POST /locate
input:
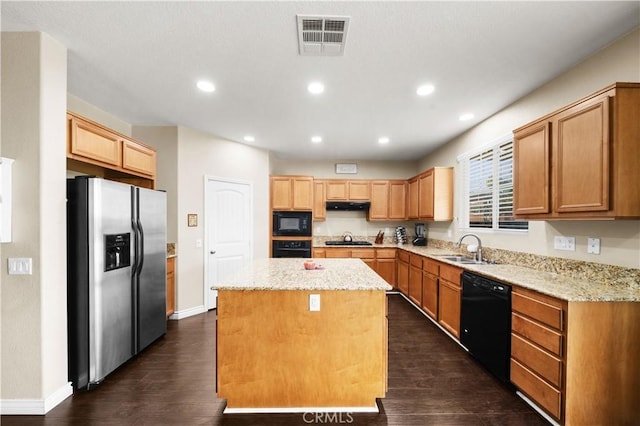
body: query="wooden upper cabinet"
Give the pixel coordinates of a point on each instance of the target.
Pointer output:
(532, 161)
(581, 157)
(138, 158)
(348, 190)
(388, 200)
(93, 142)
(397, 200)
(319, 200)
(379, 209)
(412, 199)
(292, 193)
(581, 161)
(96, 150)
(435, 194)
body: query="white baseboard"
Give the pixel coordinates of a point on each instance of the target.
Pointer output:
(35, 406)
(188, 312)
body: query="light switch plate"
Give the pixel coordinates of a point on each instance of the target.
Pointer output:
(20, 266)
(593, 245)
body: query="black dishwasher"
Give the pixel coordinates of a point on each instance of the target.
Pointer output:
(485, 322)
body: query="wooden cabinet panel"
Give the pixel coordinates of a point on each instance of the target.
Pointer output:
(379, 209)
(319, 201)
(540, 391)
(431, 266)
(359, 190)
(338, 253)
(302, 193)
(415, 284)
(430, 294)
(292, 193)
(581, 157)
(171, 286)
(337, 190)
(450, 273)
(319, 253)
(542, 363)
(537, 333)
(425, 198)
(94, 142)
(531, 174)
(548, 314)
(403, 277)
(367, 253)
(281, 193)
(403, 256)
(397, 200)
(386, 253)
(386, 268)
(416, 260)
(412, 199)
(449, 307)
(138, 158)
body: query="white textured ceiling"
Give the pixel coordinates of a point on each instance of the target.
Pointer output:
(140, 61)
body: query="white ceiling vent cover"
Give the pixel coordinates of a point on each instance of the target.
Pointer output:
(322, 35)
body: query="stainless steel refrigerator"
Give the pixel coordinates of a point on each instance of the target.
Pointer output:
(116, 275)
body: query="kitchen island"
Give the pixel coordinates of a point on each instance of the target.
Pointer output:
(277, 351)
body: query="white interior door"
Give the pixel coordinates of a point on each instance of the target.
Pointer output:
(229, 230)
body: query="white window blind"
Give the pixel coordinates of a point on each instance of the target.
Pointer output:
(488, 189)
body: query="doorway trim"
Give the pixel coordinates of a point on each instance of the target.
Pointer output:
(207, 179)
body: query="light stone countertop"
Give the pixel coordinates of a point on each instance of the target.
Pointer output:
(552, 284)
(290, 274)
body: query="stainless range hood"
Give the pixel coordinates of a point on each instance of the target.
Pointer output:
(348, 205)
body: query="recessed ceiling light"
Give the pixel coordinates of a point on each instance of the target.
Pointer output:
(206, 86)
(465, 117)
(249, 138)
(383, 140)
(425, 89)
(315, 88)
(316, 139)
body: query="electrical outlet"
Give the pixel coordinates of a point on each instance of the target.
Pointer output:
(564, 243)
(593, 245)
(314, 302)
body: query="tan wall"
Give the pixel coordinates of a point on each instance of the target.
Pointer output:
(201, 155)
(165, 141)
(620, 242)
(327, 169)
(34, 316)
(94, 113)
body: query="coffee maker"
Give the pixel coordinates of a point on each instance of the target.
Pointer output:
(421, 235)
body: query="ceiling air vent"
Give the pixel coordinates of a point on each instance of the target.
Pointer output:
(322, 35)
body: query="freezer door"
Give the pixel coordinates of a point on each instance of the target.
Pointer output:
(110, 291)
(152, 280)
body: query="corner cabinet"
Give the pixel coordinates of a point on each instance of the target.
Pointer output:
(581, 161)
(97, 150)
(292, 193)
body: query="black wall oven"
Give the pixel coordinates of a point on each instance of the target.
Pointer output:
(297, 248)
(292, 224)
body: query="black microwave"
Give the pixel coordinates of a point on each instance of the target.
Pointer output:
(292, 224)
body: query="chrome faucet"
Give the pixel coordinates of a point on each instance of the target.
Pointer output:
(478, 254)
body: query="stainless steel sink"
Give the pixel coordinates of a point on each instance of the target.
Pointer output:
(463, 260)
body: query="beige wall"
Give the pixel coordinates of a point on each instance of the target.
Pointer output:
(165, 141)
(91, 112)
(34, 316)
(620, 242)
(327, 169)
(201, 155)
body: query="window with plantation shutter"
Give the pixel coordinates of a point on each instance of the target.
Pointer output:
(488, 188)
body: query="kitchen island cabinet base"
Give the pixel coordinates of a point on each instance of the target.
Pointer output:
(275, 355)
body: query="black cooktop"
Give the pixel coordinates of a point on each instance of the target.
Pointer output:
(348, 243)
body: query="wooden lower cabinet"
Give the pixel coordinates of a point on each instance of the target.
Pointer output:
(171, 286)
(578, 361)
(415, 279)
(430, 294)
(383, 261)
(449, 297)
(386, 265)
(402, 278)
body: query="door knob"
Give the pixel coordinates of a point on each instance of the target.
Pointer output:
(213, 252)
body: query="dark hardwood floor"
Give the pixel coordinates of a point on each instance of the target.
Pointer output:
(432, 381)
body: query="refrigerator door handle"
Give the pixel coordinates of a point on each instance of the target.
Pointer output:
(141, 231)
(136, 251)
